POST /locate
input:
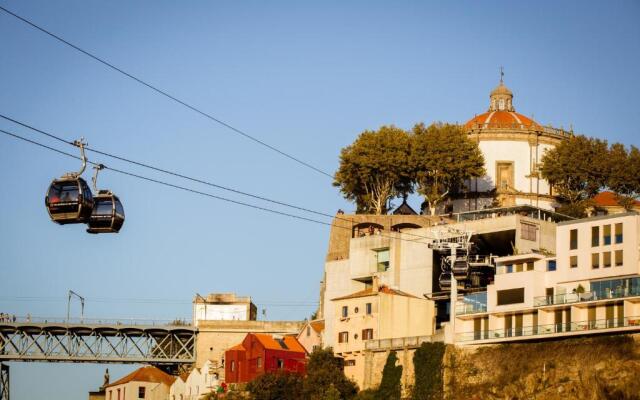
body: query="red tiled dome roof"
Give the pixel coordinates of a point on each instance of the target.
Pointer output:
(500, 119)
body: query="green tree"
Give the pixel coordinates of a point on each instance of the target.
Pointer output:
(323, 371)
(577, 168)
(390, 386)
(427, 364)
(442, 158)
(374, 169)
(278, 386)
(624, 173)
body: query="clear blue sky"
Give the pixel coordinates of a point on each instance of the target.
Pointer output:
(304, 77)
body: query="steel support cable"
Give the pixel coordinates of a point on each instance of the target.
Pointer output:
(166, 94)
(179, 175)
(211, 195)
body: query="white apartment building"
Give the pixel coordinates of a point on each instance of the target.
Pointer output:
(591, 285)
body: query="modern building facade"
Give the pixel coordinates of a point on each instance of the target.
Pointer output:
(590, 285)
(259, 354)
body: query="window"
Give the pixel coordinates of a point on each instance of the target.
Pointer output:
(355, 310)
(573, 239)
(606, 259)
(573, 261)
(233, 365)
(595, 260)
(308, 331)
(528, 231)
(509, 268)
(595, 236)
(551, 265)
(345, 311)
(141, 392)
(382, 259)
(349, 363)
(343, 337)
(367, 334)
(530, 266)
(618, 258)
(259, 362)
(280, 363)
(606, 235)
(619, 233)
(368, 308)
(510, 296)
(519, 267)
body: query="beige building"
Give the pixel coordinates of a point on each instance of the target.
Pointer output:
(377, 313)
(197, 383)
(590, 285)
(310, 336)
(147, 382)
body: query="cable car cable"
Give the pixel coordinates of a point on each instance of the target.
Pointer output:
(215, 196)
(158, 169)
(166, 94)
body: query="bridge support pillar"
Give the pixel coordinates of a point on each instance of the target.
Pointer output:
(4, 382)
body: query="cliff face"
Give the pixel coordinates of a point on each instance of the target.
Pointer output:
(604, 367)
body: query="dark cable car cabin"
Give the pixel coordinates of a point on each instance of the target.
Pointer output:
(445, 281)
(69, 200)
(107, 215)
(460, 269)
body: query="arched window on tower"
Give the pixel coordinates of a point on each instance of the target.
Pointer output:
(501, 104)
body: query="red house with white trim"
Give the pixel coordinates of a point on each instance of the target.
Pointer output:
(261, 353)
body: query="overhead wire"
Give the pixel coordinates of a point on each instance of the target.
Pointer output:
(197, 180)
(166, 94)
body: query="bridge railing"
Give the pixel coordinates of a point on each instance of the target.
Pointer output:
(95, 321)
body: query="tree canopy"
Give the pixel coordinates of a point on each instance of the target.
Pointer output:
(325, 376)
(374, 169)
(442, 159)
(624, 173)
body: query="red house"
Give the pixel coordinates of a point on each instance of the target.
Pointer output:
(261, 353)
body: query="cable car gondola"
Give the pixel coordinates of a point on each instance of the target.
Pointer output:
(460, 268)
(108, 213)
(69, 199)
(445, 281)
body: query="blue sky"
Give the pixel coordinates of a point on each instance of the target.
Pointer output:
(304, 77)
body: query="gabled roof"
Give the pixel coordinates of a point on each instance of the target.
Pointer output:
(609, 199)
(238, 347)
(286, 343)
(147, 373)
(371, 292)
(404, 209)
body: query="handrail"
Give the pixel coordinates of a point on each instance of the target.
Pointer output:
(570, 298)
(541, 330)
(14, 319)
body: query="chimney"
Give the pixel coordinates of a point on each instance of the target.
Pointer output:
(376, 284)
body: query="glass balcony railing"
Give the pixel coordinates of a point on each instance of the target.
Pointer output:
(601, 290)
(472, 303)
(541, 330)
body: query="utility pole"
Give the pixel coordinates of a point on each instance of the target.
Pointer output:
(72, 293)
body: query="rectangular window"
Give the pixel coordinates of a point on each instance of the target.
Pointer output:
(349, 363)
(573, 239)
(259, 362)
(510, 296)
(618, 233)
(595, 260)
(528, 231)
(519, 267)
(551, 265)
(509, 269)
(606, 235)
(382, 259)
(606, 259)
(595, 236)
(280, 363)
(343, 337)
(368, 308)
(573, 261)
(367, 334)
(345, 311)
(618, 258)
(233, 365)
(530, 266)
(141, 392)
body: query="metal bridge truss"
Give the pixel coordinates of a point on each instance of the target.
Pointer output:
(4, 382)
(169, 345)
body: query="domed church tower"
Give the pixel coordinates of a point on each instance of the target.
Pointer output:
(513, 146)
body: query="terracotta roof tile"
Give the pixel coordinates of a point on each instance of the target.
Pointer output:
(608, 199)
(371, 292)
(147, 373)
(270, 343)
(500, 119)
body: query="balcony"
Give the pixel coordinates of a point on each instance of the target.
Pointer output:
(601, 290)
(574, 328)
(399, 343)
(472, 304)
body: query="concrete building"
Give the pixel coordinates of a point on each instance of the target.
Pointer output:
(377, 313)
(223, 307)
(590, 285)
(259, 354)
(513, 146)
(147, 382)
